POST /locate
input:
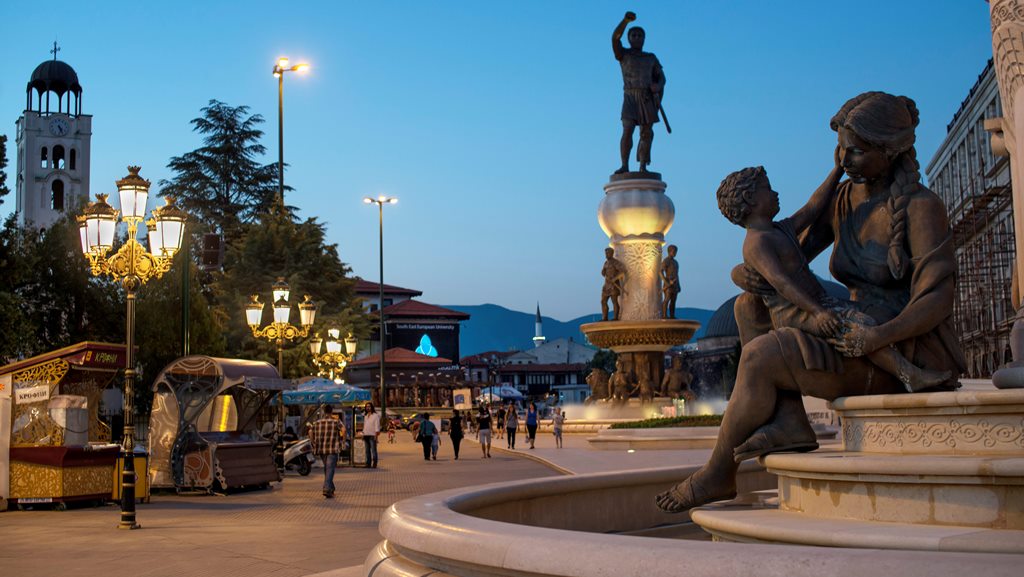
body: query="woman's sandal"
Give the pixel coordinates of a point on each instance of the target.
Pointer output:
(685, 496)
(771, 439)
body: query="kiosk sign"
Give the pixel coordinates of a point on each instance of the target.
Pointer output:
(32, 394)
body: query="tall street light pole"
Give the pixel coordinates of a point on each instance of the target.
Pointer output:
(279, 69)
(380, 201)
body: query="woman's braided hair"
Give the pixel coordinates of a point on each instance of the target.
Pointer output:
(888, 122)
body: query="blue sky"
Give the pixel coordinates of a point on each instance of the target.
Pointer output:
(497, 123)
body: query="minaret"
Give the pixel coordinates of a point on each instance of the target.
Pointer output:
(538, 338)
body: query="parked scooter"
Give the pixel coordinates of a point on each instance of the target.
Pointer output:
(300, 456)
(293, 454)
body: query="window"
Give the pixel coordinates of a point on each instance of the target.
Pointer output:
(57, 195)
(42, 159)
(58, 157)
(73, 154)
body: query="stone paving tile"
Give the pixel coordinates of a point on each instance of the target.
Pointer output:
(289, 531)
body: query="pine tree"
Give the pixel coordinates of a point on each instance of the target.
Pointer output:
(221, 183)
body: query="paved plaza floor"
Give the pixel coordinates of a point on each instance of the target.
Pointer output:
(290, 530)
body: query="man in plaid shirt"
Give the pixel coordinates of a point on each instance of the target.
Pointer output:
(325, 436)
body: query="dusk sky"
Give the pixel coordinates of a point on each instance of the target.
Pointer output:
(497, 123)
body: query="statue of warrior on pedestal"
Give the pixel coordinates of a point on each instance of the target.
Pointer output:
(643, 84)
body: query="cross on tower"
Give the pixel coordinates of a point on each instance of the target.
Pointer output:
(55, 50)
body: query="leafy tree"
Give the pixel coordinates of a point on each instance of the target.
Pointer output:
(222, 183)
(49, 299)
(158, 326)
(604, 359)
(4, 191)
(278, 246)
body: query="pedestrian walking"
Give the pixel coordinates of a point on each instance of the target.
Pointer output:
(371, 430)
(501, 419)
(483, 422)
(325, 436)
(425, 435)
(455, 432)
(531, 423)
(511, 425)
(556, 425)
(391, 432)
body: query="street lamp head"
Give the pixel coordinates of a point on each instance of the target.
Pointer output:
(307, 311)
(368, 200)
(156, 240)
(280, 290)
(392, 200)
(282, 62)
(134, 192)
(100, 221)
(169, 221)
(314, 344)
(333, 344)
(254, 311)
(301, 67)
(282, 311)
(350, 345)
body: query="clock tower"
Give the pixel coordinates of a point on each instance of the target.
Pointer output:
(53, 139)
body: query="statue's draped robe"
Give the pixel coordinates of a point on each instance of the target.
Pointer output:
(864, 270)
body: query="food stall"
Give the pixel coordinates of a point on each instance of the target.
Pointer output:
(54, 448)
(203, 433)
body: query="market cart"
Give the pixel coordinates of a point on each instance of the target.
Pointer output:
(203, 433)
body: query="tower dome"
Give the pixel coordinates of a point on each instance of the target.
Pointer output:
(59, 78)
(55, 76)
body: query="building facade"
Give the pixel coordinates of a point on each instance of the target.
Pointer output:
(53, 140)
(975, 185)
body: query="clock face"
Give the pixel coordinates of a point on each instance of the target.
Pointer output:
(59, 126)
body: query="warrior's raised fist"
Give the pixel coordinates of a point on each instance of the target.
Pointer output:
(629, 17)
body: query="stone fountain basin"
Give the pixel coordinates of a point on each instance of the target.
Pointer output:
(593, 526)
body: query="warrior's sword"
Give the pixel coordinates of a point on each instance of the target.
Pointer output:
(664, 117)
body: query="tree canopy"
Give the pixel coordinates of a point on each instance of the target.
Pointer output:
(222, 183)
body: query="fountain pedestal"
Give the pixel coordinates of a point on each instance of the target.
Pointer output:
(636, 214)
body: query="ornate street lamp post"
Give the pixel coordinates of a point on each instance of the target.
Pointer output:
(280, 67)
(132, 265)
(380, 201)
(333, 361)
(280, 330)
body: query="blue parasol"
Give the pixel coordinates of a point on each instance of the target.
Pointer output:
(325, 392)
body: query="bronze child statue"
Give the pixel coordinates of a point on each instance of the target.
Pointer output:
(643, 83)
(676, 382)
(771, 249)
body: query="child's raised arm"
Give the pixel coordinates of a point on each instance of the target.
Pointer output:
(820, 200)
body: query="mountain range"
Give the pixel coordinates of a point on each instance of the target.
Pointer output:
(495, 328)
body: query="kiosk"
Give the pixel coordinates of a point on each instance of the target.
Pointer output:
(53, 446)
(202, 430)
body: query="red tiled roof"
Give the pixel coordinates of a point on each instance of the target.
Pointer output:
(542, 368)
(414, 308)
(365, 287)
(399, 356)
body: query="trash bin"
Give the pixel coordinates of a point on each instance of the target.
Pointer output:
(141, 477)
